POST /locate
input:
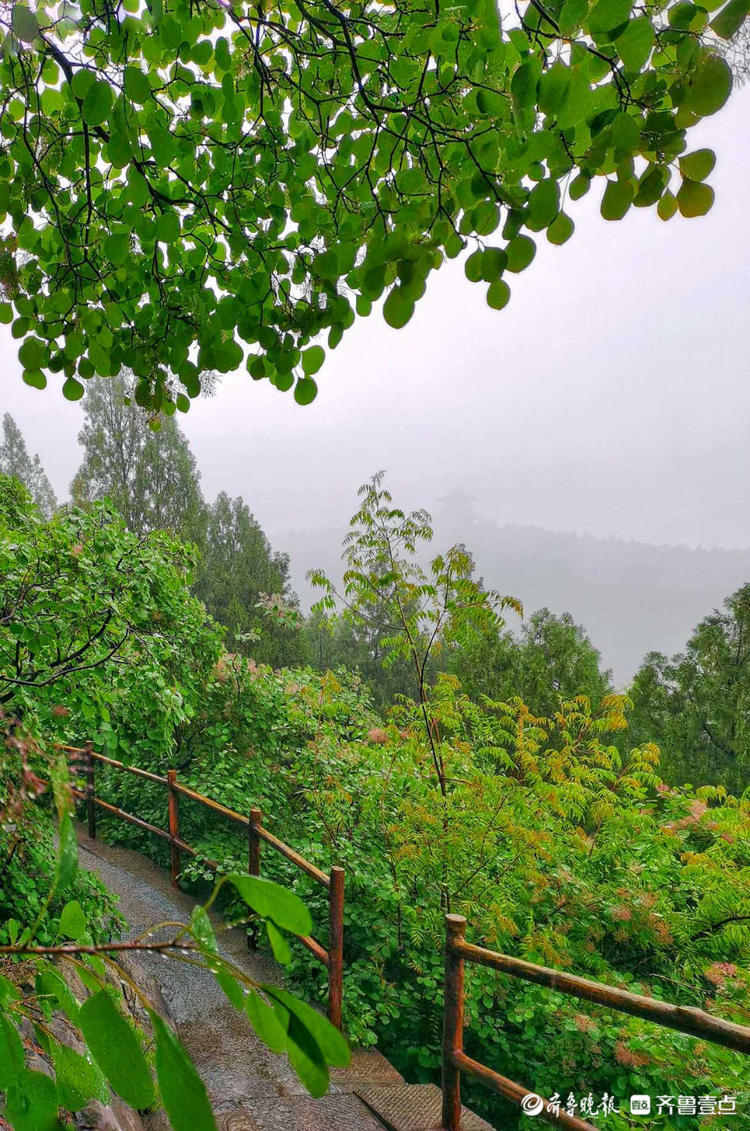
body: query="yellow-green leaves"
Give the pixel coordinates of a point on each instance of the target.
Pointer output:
(697, 165)
(694, 198)
(116, 1049)
(398, 308)
(11, 1052)
(708, 86)
(618, 196)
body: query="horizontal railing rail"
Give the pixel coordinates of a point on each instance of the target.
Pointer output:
(686, 1019)
(334, 881)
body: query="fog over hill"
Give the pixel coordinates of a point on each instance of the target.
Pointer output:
(632, 597)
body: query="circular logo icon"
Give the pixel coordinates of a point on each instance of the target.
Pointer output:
(532, 1104)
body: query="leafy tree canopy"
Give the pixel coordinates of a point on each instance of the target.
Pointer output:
(697, 705)
(182, 180)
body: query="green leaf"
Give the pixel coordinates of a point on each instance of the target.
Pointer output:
(168, 227)
(328, 1038)
(572, 15)
(279, 945)
(635, 43)
(306, 1058)
(24, 23)
(609, 14)
(35, 378)
(498, 294)
(137, 85)
(72, 920)
(11, 1053)
(697, 165)
(117, 247)
(6, 313)
(182, 1091)
(78, 1080)
(667, 206)
(473, 266)
(72, 390)
(97, 103)
(312, 359)
(202, 930)
(305, 391)
(494, 262)
(231, 987)
(731, 18)
(49, 983)
(273, 902)
(553, 88)
(561, 229)
(709, 87)
(520, 252)
(116, 1049)
(694, 198)
(618, 196)
(266, 1022)
(34, 353)
(31, 1103)
(398, 308)
(67, 854)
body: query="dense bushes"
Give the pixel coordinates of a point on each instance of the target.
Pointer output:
(554, 847)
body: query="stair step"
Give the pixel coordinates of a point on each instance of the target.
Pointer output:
(414, 1107)
(368, 1068)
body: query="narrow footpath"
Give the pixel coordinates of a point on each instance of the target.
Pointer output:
(250, 1088)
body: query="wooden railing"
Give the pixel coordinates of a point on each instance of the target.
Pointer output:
(332, 958)
(458, 952)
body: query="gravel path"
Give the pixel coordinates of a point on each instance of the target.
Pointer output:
(251, 1089)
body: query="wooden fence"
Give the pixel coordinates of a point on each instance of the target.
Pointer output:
(458, 952)
(332, 958)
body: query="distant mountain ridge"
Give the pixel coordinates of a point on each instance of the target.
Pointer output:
(631, 597)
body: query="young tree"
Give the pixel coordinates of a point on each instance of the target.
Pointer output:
(16, 462)
(245, 585)
(405, 612)
(184, 181)
(150, 476)
(697, 705)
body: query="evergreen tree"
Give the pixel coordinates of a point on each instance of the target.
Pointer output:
(245, 585)
(150, 476)
(15, 461)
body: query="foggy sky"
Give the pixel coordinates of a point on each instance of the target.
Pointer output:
(611, 396)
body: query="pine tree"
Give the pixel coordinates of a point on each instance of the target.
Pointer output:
(16, 462)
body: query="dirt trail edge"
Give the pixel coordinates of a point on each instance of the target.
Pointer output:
(251, 1089)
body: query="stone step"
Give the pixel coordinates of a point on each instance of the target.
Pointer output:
(368, 1068)
(414, 1107)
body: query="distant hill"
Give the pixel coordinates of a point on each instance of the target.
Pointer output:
(632, 597)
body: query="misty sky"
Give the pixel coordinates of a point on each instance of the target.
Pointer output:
(610, 397)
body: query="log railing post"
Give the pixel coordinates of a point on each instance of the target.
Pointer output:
(453, 1021)
(175, 856)
(90, 791)
(253, 864)
(336, 946)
